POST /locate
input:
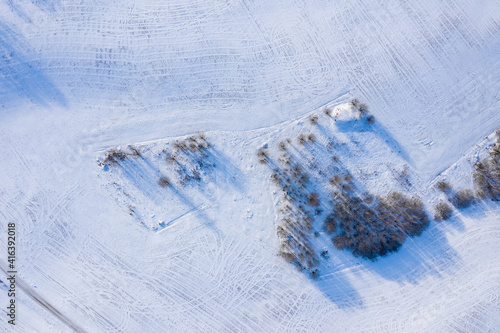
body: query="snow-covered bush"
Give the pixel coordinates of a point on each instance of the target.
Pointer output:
(313, 119)
(442, 212)
(113, 156)
(262, 155)
(463, 198)
(487, 174)
(444, 186)
(164, 182)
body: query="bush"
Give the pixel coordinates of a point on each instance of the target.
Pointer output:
(262, 155)
(487, 179)
(180, 145)
(170, 159)
(443, 211)
(463, 198)
(313, 200)
(444, 186)
(335, 180)
(370, 119)
(330, 223)
(313, 119)
(164, 182)
(301, 139)
(495, 152)
(135, 152)
(113, 156)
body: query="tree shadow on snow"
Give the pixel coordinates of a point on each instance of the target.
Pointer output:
(336, 287)
(225, 168)
(360, 126)
(22, 75)
(419, 258)
(145, 175)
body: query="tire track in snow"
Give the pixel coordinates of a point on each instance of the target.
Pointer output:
(43, 302)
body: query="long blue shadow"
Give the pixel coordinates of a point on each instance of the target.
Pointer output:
(21, 74)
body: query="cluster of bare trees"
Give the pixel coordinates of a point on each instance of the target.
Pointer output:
(299, 207)
(113, 156)
(372, 226)
(486, 180)
(487, 173)
(191, 158)
(368, 226)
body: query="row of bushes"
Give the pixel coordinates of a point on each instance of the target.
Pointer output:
(298, 207)
(115, 155)
(487, 173)
(191, 159)
(486, 179)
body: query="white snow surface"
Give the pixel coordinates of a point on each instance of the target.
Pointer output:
(78, 78)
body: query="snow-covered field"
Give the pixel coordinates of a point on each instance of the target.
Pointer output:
(106, 249)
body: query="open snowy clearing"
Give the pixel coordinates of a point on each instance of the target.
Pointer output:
(110, 250)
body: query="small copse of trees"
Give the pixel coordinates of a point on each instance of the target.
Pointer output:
(487, 173)
(374, 227)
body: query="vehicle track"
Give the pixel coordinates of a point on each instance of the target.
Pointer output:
(43, 302)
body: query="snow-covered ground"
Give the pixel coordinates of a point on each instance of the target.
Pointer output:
(77, 79)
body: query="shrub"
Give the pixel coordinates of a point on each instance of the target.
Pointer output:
(262, 155)
(164, 182)
(335, 180)
(113, 156)
(495, 152)
(370, 119)
(330, 223)
(288, 256)
(444, 186)
(313, 200)
(313, 119)
(301, 139)
(443, 211)
(328, 112)
(487, 179)
(135, 152)
(180, 145)
(463, 198)
(311, 138)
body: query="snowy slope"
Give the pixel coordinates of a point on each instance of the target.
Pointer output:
(78, 79)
